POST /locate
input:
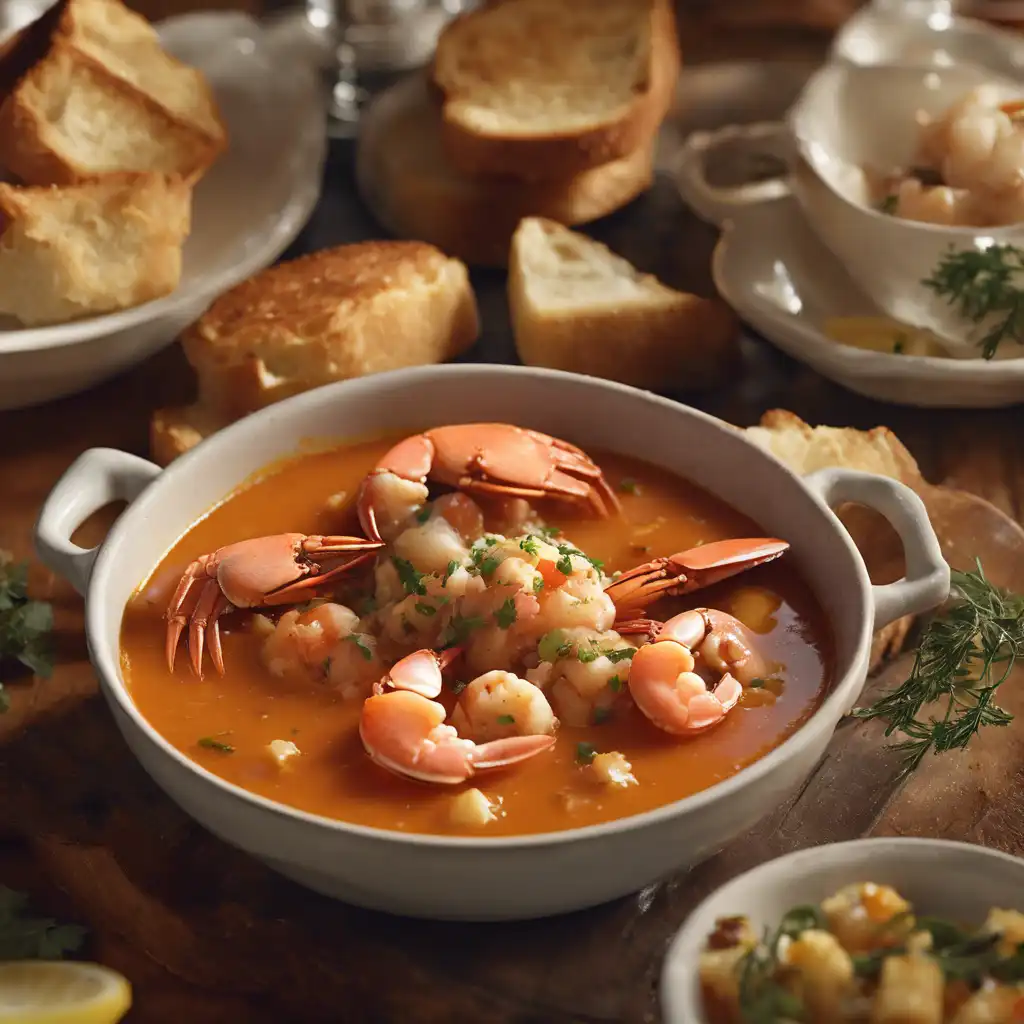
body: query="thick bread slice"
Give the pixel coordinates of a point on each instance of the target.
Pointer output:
(805, 449)
(577, 306)
(335, 314)
(405, 177)
(548, 88)
(103, 97)
(91, 248)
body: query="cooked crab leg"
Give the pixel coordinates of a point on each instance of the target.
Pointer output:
(688, 570)
(492, 458)
(254, 573)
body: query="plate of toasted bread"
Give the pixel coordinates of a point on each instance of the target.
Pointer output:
(144, 170)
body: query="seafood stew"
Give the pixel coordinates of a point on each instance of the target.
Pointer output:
(864, 956)
(472, 646)
(969, 167)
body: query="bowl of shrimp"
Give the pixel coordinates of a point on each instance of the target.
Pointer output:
(480, 642)
(913, 177)
(880, 930)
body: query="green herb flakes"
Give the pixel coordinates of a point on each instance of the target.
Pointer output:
(410, 579)
(209, 743)
(585, 753)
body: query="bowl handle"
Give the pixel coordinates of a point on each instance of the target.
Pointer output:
(926, 583)
(717, 205)
(96, 478)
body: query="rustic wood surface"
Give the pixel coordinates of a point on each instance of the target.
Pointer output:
(208, 935)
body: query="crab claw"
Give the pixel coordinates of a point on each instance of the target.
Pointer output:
(419, 672)
(689, 570)
(255, 573)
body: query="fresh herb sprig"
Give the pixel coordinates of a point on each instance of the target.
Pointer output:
(979, 285)
(966, 653)
(25, 626)
(24, 937)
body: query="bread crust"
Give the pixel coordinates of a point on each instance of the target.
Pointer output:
(50, 55)
(404, 176)
(561, 156)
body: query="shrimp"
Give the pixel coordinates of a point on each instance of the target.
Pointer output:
(937, 204)
(665, 684)
(395, 501)
(499, 704)
(323, 645)
(431, 547)
(405, 733)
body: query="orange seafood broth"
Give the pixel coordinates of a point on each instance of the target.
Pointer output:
(247, 708)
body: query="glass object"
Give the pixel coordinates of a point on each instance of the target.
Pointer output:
(366, 42)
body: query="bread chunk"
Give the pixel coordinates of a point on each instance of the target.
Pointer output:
(578, 306)
(335, 314)
(548, 88)
(87, 91)
(92, 248)
(406, 178)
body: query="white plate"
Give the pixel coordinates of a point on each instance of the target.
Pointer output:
(956, 881)
(772, 269)
(246, 212)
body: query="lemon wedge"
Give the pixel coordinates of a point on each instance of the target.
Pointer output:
(53, 992)
(879, 334)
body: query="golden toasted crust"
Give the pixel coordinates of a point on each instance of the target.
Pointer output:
(87, 90)
(335, 314)
(549, 150)
(405, 177)
(91, 248)
(805, 449)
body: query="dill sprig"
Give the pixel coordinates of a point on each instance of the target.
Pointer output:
(983, 284)
(966, 653)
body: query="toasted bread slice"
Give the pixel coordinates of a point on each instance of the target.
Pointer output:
(98, 96)
(91, 248)
(407, 180)
(335, 314)
(577, 306)
(548, 88)
(805, 449)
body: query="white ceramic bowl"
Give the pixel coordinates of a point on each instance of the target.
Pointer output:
(849, 117)
(481, 878)
(942, 879)
(246, 211)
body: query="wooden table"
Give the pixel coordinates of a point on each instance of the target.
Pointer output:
(206, 934)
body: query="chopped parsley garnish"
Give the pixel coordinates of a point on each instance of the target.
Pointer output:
(424, 514)
(756, 684)
(551, 531)
(585, 753)
(553, 646)
(364, 650)
(602, 715)
(410, 579)
(564, 565)
(453, 566)
(529, 545)
(567, 549)
(506, 614)
(622, 654)
(899, 344)
(587, 654)
(25, 626)
(459, 628)
(325, 667)
(209, 743)
(24, 937)
(538, 584)
(459, 685)
(425, 609)
(488, 565)
(888, 204)
(629, 486)
(615, 684)
(506, 720)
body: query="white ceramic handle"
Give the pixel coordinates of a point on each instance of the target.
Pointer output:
(926, 582)
(96, 478)
(718, 205)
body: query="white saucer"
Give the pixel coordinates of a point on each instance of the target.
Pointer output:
(771, 268)
(246, 212)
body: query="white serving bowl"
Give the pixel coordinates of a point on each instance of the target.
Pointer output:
(246, 211)
(849, 117)
(481, 878)
(957, 881)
